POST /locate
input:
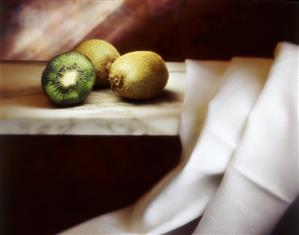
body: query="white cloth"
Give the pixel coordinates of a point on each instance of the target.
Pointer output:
(263, 177)
(230, 122)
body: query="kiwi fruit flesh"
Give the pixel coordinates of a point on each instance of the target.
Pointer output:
(68, 78)
(102, 54)
(138, 75)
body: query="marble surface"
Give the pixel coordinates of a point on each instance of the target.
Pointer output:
(26, 110)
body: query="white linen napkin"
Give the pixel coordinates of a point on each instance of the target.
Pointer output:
(218, 99)
(263, 177)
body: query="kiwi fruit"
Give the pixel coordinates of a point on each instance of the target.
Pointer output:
(102, 54)
(68, 78)
(138, 75)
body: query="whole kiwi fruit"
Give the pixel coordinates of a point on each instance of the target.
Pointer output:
(68, 78)
(138, 75)
(102, 54)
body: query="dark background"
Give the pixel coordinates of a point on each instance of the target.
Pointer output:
(176, 29)
(50, 183)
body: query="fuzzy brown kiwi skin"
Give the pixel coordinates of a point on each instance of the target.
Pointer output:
(138, 75)
(102, 54)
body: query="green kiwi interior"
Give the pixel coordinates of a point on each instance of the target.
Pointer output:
(68, 78)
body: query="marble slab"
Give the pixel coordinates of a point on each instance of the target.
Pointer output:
(26, 110)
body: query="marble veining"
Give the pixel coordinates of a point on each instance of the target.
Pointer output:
(26, 110)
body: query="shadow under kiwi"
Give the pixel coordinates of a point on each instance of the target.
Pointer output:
(52, 104)
(101, 87)
(166, 96)
(66, 106)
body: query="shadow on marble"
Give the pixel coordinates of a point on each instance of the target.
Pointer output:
(24, 92)
(30, 101)
(166, 96)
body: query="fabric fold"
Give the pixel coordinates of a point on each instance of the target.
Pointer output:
(262, 179)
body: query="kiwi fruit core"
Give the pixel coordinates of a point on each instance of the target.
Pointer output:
(68, 78)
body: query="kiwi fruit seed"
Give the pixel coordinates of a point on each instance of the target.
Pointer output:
(68, 78)
(138, 75)
(102, 54)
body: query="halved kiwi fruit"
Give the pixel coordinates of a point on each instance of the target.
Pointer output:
(138, 75)
(68, 78)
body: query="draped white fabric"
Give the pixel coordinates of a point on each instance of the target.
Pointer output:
(239, 120)
(263, 177)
